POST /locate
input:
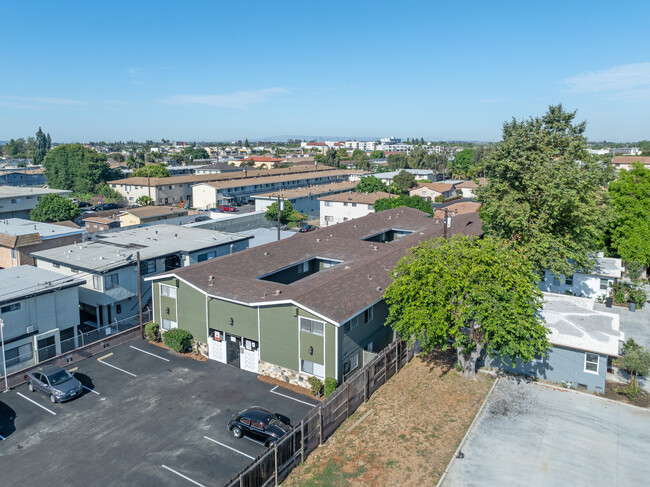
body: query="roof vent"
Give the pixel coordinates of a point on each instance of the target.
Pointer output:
(267, 253)
(369, 277)
(390, 217)
(318, 240)
(346, 267)
(277, 292)
(379, 289)
(210, 280)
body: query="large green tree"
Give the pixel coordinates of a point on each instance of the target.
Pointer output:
(41, 147)
(151, 171)
(546, 192)
(398, 161)
(77, 168)
(370, 184)
(54, 208)
(629, 234)
(287, 216)
(377, 154)
(462, 166)
(471, 294)
(404, 181)
(416, 202)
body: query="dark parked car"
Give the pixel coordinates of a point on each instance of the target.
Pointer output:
(307, 228)
(59, 384)
(83, 204)
(260, 424)
(227, 208)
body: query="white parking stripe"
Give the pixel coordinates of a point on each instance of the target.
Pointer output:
(2, 437)
(89, 389)
(254, 441)
(181, 475)
(149, 353)
(289, 397)
(229, 447)
(121, 370)
(34, 402)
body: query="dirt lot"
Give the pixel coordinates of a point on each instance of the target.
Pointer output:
(415, 425)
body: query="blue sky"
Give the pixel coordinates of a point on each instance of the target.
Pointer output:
(216, 70)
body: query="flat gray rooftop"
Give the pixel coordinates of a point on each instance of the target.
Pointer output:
(533, 435)
(20, 226)
(25, 280)
(18, 191)
(116, 249)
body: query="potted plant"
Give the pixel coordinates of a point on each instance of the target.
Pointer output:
(637, 297)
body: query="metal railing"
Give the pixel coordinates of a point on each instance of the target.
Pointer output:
(274, 465)
(73, 349)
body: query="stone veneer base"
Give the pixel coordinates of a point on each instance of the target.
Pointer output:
(284, 374)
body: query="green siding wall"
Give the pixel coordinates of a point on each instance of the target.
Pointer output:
(279, 329)
(244, 318)
(309, 340)
(330, 358)
(191, 311)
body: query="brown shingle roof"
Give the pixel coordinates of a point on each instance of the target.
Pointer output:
(617, 160)
(276, 179)
(152, 211)
(338, 292)
(311, 190)
(460, 208)
(439, 187)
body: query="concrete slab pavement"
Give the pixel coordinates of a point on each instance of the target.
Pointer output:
(531, 435)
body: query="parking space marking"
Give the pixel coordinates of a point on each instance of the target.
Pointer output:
(34, 402)
(121, 370)
(2, 437)
(183, 476)
(229, 447)
(149, 353)
(89, 389)
(293, 399)
(254, 441)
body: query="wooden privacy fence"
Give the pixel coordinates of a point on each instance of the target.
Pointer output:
(275, 464)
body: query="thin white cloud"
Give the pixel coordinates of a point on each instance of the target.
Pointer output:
(238, 99)
(134, 72)
(36, 103)
(618, 79)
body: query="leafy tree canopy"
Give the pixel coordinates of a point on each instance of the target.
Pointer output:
(358, 154)
(77, 168)
(54, 208)
(416, 202)
(287, 216)
(332, 158)
(151, 171)
(478, 293)
(629, 234)
(404, 181)
(463, 164)
(546, 192)
(370, 184)
(144, 200)
(398, 161)
(377, 154)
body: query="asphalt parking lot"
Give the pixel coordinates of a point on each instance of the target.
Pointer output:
(146, 417)
(532, 435)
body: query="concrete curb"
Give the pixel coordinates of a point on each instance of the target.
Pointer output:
(471, 426)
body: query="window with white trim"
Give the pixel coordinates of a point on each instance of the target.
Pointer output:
(97, 283)
(327, 203)
(329, 218)
(591, 362)
(14, 254)
(168, 324)
(168, 291)
(312, 368)
(603, 284)
(311, 326)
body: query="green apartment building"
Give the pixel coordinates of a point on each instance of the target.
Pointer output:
(308, 305)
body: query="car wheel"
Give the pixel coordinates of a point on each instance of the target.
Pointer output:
(52, 399)
(236, 432)
(30, 386)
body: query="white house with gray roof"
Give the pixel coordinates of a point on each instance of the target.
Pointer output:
(40, 312)
(108, 264)
(598, 282)
(18, 202)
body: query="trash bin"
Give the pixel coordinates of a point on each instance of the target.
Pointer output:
(632, 306)
(609, 302)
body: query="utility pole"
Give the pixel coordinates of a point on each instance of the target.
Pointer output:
(280, 208)
(446, 221)
(4, 364)
(140, 295)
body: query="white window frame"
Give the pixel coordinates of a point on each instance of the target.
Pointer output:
(592, 363)
(111, 281)
(97, 283)
(165, 321)
(317, 370)
(328, 203)
(166, 291)
(310, 328)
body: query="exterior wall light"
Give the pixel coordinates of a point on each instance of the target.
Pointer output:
(311, 350)
(231, 321)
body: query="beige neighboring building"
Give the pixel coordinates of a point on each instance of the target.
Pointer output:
(149, 214)
(625, 162)
(430, 191)
(174, 189)
(100, 224)
(338, 208)
(262, 162)
(19, 238)
(459, 208)
(209, 195)
(469, 187)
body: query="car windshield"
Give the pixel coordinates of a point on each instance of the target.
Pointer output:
(59, 377)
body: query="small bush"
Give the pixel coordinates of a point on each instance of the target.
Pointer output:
(151, 331)
(316, 386)
(638, 296)
(631, 390)
(177, 339)
(330, 385)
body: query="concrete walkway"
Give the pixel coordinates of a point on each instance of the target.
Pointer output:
(531, 435)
